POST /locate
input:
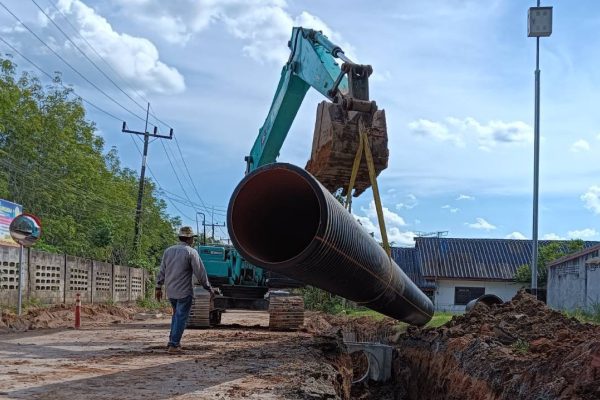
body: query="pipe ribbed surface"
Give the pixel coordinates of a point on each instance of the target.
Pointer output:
(282, 219)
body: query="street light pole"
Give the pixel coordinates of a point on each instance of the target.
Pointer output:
(203, 226)
(539, 24)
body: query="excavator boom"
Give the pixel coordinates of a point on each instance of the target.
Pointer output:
(312, 63)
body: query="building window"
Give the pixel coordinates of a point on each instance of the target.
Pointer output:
(462, 295)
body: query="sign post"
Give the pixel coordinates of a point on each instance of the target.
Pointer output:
(25, 229)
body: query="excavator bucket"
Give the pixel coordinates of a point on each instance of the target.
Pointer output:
(335, 143)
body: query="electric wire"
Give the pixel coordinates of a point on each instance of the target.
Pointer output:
(60, 83)
(86, 56)
(157, 183)
(136, 92)
(175, 173)
(188, 173)
(67, 63)
(187, 198)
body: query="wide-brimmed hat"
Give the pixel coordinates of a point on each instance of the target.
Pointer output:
(186, 231)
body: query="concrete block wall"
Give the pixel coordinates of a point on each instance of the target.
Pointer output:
(9, 274)
(102, 281)
(78, 280)
(57, 278)
(120, 283)
(46, 276)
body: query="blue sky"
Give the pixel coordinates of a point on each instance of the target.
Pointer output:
(454, 76)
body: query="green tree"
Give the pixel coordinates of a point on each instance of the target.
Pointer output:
(547, 254)
(55, 165)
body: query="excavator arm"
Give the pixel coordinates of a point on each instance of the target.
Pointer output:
(312, 63)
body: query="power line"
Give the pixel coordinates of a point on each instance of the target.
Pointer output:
(158, 184)
(68, 64)
(60, 83)
(136, 92)
(63, 186)
(175, 173)
(97, 53)
(188, 173)
(101, 110)
(85, 55)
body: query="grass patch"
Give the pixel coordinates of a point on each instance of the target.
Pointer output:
(592, 315)
(152, 304)
(521, 346)
(355, 313)
(440, 318)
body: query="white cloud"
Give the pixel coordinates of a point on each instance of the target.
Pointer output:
(393, 222)
(410, 203)
(583, 233)
(435, 130)
(481, 224)
(263, 25)
(515, 235)
(552, 236)
(458, 131)
(465, 197)
(135, 58)
(580, 146)
(450, 208)
(591, 199)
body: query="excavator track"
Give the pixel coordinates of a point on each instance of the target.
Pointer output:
(286, 313)
(203, 313)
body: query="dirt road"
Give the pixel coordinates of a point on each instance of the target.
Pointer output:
(242, 360)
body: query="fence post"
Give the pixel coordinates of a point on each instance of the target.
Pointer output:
(92, 281)
(29, 274)
(64, 281)
(112, 282)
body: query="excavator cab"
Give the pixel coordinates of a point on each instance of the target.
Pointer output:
(337, 138)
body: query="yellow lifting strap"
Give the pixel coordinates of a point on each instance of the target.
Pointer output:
(363, 144)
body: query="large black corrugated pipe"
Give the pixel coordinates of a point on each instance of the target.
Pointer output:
(282, 219)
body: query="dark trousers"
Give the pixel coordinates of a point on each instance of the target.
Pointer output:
(181, 312)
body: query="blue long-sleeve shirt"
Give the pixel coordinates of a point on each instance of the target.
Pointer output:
(178, 264)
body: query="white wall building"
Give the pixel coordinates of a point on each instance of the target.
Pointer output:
(453, 271)
(574, 281)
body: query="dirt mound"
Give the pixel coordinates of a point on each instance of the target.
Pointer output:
(367, 329)
(62, 316)
(520, 349)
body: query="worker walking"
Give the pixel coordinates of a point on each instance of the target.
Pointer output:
(178, 264)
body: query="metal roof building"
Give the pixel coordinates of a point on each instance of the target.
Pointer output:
(453, 270)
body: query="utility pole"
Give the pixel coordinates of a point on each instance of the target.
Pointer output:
(539, 24)
(203, 225)
(213, 225)
(139, 207)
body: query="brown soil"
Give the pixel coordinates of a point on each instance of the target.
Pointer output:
(366, 328)
(520, 349)
(63, 316)
(239, 361)
(360, 365)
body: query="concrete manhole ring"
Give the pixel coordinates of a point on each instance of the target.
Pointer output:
(361, 366)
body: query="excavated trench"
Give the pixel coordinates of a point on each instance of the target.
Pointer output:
(517, 350)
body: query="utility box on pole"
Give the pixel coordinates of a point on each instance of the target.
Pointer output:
(539, 21)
